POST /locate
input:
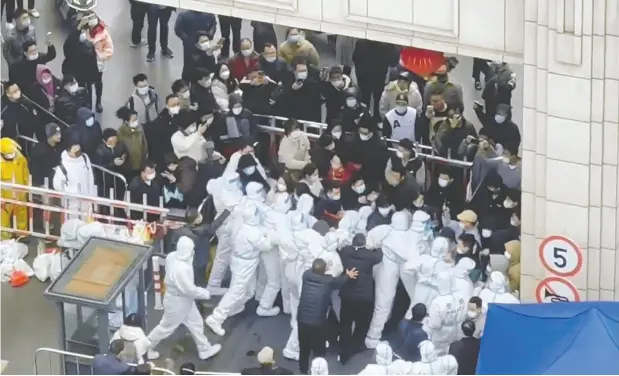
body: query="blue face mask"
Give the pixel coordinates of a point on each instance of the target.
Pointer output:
(249, 170)
(90, 122)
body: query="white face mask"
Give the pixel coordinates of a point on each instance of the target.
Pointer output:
(365, 137)
(330, 147)
(224, 75)
(134, 124)
(486, 233)
(191, 129)
(384, 211)
(184, 94)
(90, 122)
(359, 189)
(174, 110)
(209, 121)
(334, 196)
(270, 59)
(249, 170)
(472, 314)
(514, 222)
(281, 187)
(46, 80)
(443, 182)
(462, 251)
(247, 52)
(33, 56)
(301, 75)
(337, 84)
(401, 109)
(72, 88)
(418, 202)
(507, 255)
(205, 45)
(351, 102)
(294, 38)
(500, 119)
(237, 110)
(336, 135)
(151, 176)
(509, 204)
(142, 90)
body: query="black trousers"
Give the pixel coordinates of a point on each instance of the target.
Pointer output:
(226, 24)
(371, 88)
(401, 303)
(479, 66)
(356, 312)
(98, 84)
(138, 14)
(312, 338)
(161, 17)
(20, 4)
(9, 7)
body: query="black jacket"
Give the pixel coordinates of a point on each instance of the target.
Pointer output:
(89, 136)
(19, 118)
(466, 352)
(304, 103)
(159, 136)
(137, 189)
(362, 288)
(275, 70)
(199, 59)
(201, 235)
(80, 59)
(410, 335)
(372, 155)
(203, 96)
(67, 104)
(321, 157)
(44, 158)
(372, 59)
(315, 297)
(403, 195)
(24, 71)
(256, 98)
(266, 370)
(377, 219)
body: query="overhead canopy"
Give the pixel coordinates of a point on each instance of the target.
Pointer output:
(558, 338)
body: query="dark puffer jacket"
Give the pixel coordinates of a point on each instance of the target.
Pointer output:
(316, 297)
(362, 288)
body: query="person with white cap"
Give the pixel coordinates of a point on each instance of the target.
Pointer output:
(445, 314)
(266, 359)
(383, 356)
(248, 242)
(496, 291)
(433, 364)
(179, 302)
(319, 367)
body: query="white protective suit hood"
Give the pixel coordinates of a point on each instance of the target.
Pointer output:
(231, 194)
(250, 215)
(384, 354)
(428, 352)
(297, 223)
(464, 267)
(255, 192)
(319, 367)
(440, 247)
(185, 249)
(399, 221)
(305, 204)
(420, 219)
(445, 283)
(330, 242)
(497, 283)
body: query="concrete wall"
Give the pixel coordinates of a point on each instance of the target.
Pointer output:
(490, 29)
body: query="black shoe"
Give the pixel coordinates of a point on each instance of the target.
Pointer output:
(166, 52)
(477, 85)
(99, 108)
(150, 57)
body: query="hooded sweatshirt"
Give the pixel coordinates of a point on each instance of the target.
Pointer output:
(294, 150)
(89, 137)
(135, 141)
(49, 89)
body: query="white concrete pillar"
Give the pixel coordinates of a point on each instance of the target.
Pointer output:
(571, 140)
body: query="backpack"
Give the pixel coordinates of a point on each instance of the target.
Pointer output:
(64, 169)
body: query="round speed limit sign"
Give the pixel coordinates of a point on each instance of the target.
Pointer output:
(560, 256)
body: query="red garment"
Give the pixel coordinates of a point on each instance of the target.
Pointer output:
(343, 175)
(239, 69)
(97, 29)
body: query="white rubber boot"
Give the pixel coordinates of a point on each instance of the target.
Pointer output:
(267, 312)
(215, 326)
(211, 352)
(289, 354)
(371, 343)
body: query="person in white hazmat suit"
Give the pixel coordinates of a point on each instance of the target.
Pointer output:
(384, 357)
(305, 206)
(427, 267)
(400, 245)
(432, 363)
(463, 285)
(310, 246)
(270, 262)
(362, 223)
(227, 195)
(347, 227)
(496, 291)
(179, 301)
(249, 241)
(445, 314)
(319, 367)
(74, 175)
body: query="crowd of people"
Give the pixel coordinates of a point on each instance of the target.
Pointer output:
(357, 228)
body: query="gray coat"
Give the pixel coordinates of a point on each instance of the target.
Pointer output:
(13, 41)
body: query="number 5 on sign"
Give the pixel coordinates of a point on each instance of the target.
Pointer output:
(560, 256)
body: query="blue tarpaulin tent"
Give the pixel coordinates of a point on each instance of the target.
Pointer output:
(551, 339)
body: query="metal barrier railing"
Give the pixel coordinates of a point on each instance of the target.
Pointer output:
(81, 360)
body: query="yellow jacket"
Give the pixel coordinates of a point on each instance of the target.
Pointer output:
(14, 170)
(513, 270)
(288, 51)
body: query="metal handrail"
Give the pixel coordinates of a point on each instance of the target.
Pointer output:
(95, 166)
(322, 126)
(78, 356)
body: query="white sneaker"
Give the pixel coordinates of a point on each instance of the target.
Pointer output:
(216, 291)
(371, 343)
(211, 352)
(215, 327)
(267, 312)
(34, 13)
(292, 355)
(152, 355)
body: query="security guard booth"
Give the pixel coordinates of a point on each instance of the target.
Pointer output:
(91, 287)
